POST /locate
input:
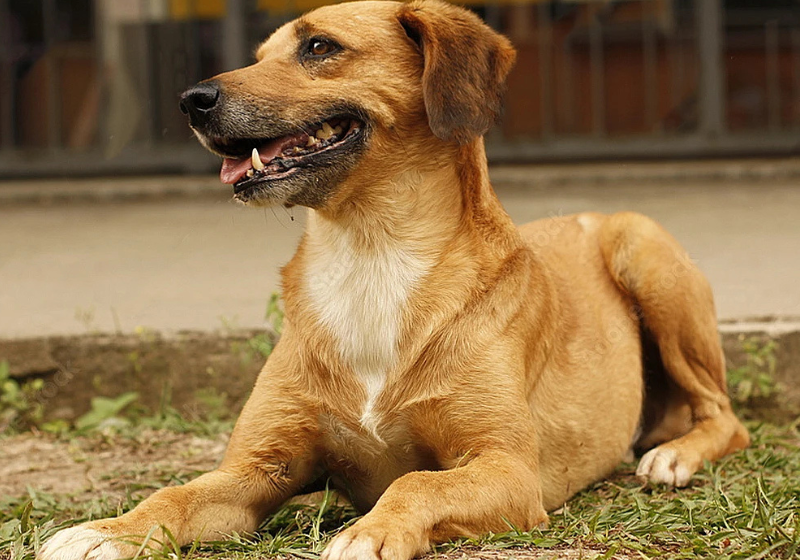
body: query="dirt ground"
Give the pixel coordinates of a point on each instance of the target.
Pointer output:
(102, 467)
(97, 467)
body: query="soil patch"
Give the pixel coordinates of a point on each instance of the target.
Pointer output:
(179, 369)
(101, 466)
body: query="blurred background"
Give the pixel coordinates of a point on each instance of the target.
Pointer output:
(91, 86)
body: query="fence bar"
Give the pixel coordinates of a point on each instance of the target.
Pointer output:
(650, 56)
(7, 109)
(771, 47)
(567, 86)
(677, 70)
(710, 43)
(234, 53)
(149, 47)
(597, 71)
(493, 14)
(102, 82)
(545, 35)
(796, 57)
(49, 23)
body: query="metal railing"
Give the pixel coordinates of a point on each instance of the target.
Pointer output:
(91, 87)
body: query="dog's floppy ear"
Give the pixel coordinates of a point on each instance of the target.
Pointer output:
(466, 64)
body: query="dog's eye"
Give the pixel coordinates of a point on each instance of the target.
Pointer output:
(321, 47)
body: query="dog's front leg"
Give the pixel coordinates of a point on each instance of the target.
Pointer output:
(214, 505)
(494, 491)
(269, 457)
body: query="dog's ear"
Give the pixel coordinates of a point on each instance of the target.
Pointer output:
(466, 64)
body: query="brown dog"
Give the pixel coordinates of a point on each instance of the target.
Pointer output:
(449, 371)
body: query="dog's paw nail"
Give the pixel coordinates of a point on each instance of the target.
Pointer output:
(79, 543)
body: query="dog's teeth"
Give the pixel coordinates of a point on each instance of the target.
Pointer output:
(337, 129)
(325, 132)
(255, 159)
(312, 141)
(296, 149)
(250, 173)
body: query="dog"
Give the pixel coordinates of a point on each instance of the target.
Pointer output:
(452, 373)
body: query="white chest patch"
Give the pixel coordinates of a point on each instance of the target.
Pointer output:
(361, 297)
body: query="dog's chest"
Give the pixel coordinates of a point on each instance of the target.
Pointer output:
(361, 297)
(364, 463)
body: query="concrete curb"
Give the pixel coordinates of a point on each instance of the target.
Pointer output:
(627, 172)
(768, 326)
(76, 368)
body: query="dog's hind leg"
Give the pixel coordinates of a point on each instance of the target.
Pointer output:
(673, 301)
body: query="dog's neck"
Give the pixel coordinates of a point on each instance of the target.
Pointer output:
(422, 209)
(480, 204)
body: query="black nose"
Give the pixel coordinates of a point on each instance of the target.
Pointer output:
(199, 101)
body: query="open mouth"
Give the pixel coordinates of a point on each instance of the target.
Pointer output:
(251, 162)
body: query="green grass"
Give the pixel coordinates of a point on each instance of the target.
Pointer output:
(744, 506)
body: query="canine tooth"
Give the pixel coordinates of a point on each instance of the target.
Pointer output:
(250, 173)
(337, 129)
(255, 159)
(296, 149)
(312, 141)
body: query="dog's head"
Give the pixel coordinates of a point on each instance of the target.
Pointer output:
(350, 93)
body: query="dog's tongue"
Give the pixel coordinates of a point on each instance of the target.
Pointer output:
(234, 169)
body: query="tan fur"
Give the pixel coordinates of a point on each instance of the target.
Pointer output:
(493, 371)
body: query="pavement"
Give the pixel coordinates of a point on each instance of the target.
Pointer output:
(173, 253)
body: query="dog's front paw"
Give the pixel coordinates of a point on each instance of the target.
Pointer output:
(372, 540)
(80, 543)
(668, 465)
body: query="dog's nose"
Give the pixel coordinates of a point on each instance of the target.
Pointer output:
(199, 101)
